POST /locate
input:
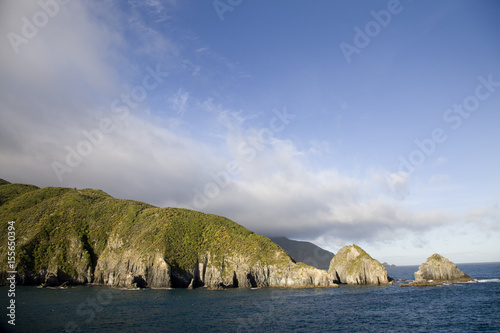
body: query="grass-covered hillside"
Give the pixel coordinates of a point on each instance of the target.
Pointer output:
(88, 236)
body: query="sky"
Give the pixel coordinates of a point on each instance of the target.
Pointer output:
(367, 122)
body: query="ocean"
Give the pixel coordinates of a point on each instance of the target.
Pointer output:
(462, 307)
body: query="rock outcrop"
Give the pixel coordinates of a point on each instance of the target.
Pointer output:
(438, 270)
(128, 269)
(235, 271)
(85, 236)
(352, 265)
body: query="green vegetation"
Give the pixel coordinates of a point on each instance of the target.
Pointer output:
(436, 257)
(354, 264)
(67, 230)
(10, 191)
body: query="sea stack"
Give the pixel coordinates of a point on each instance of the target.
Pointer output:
(440, 269)
(352, 265)
(436, 271)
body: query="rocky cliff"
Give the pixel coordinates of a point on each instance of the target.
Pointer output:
(86, 236)
(437, 270)
(352, 265)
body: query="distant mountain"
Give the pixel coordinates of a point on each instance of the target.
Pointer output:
(305, 252)
(387, 265)
(72, 236)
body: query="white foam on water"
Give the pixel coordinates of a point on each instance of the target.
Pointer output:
(481, 281)
(487, 280)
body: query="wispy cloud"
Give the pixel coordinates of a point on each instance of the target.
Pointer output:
(179, 101)
(486, 218)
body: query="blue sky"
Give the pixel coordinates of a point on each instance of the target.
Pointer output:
(253, 110)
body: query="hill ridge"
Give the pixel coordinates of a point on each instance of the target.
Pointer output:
(81, 236)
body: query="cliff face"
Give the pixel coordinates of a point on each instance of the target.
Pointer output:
(439, 269)
(235, 271)
(86, 236)
(130, 269)
(352, 265)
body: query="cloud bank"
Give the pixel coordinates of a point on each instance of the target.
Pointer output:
(175, 146)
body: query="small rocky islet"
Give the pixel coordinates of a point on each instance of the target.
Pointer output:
(68, 237)
(437, 270)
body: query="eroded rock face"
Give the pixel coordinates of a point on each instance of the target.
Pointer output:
(352, 265)
(129, 269)
(439, 269)
(235, 271)
(133, 269)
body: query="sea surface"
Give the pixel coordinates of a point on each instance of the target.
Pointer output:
(462, 307)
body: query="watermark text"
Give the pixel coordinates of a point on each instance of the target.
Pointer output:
(11, 272)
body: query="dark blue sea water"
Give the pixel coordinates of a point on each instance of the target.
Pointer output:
(464, 307)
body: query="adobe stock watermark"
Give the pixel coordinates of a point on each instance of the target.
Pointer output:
(30, 27)
(222, 6)
(11, 272)
(363, 37)
(260, 315)
(121, 108)
(248, 149)
(454, 117)
(88, 310)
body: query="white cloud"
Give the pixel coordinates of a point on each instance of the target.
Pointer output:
(399, 183)
(62, 62)
(146, 162)
(158, 10)
(48, 89)
(319, 147)
(179, 101)
(62, 82)
(277, 193)
(486, 218)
